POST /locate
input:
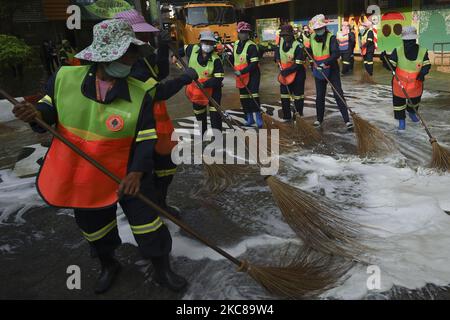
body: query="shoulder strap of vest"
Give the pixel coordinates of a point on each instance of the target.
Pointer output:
(421, 53)
(147, 86)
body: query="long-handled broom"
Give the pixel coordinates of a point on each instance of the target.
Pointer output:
(440, 158)
(371, 140)
(304, 132)
(297, 280)
(312, 219)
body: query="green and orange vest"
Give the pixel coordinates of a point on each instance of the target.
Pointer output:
(407, 72)
(240, 62)
(287, 59)
(204, 73)
(321, 52)
(105, 132)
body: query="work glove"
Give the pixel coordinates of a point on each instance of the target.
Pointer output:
(164, 36)
(237, 73)
(320, 67)
(191, 73)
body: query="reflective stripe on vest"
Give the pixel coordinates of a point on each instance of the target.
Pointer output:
(105, 132)
(342, 40)
(407, 72)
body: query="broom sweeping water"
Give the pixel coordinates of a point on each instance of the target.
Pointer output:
(440, 157)
(371, 140)
(304, 132)
(298, 279)
(311, 218)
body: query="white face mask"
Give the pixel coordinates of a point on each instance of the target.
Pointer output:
(207, 48)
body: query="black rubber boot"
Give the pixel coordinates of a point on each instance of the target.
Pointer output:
(164, 275)
(110, 269)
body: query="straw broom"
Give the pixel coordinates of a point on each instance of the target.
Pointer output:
(304, 132)
(440, 158)
(305, 213)
(366, 78)
(371, 140)
(293, 281)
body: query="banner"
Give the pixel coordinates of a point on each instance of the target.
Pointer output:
(102, 9)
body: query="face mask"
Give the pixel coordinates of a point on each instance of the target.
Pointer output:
(207, 48)
(243, 36)
(320, 32)
(117, 70)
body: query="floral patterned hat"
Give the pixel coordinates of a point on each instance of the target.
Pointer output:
(111, 40)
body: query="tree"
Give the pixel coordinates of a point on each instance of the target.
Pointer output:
(14, 52)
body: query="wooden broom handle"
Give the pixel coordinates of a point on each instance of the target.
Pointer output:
(116, 179)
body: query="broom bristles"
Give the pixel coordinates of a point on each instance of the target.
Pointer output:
(218, 177)
(371, 140)
(305, 132)
(366, 78)
(440, 158)
(303, 277)
(316, 223)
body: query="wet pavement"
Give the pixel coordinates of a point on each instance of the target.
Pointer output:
(38, 243)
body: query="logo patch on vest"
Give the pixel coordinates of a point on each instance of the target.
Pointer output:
(114, 123)
(205, 73)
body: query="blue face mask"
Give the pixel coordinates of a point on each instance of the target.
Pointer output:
(117, 70)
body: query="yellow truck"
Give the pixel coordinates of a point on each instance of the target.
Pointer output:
(197, 16)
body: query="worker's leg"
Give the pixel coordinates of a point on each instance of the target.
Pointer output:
(399, 107)
(413, 107)
(201, 116)
(285, 102)
(335, 80)
(368, 62)
(152, 236)
(345, 56)
(321, 91)
(214, 115)
(253, 86)
(299, 91)
(99, 228)
(165, 170)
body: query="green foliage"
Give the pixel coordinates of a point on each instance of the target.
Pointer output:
(13, 51)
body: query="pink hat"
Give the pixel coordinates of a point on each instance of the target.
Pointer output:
(318, 22)
(243, 26)
(136, 20)
(367, 23)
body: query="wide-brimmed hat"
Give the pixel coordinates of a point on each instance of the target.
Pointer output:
(244, 26)
(136, 20)
(286, 30)
(207, 36)
(409, 33)
(112, 38)
(318, 22)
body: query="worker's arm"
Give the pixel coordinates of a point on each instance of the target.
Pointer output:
(351, 41)
(141, 159)
(162, 61)
(46, 107)
(167, 89)
(277, 54)
(218, 75)
(252, 58)
(370, 45)
(425, 68)
(392, 59)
